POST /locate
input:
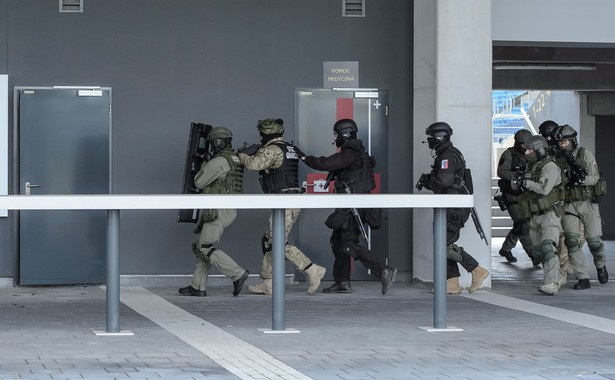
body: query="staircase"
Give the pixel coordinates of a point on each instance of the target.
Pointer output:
(501, 222)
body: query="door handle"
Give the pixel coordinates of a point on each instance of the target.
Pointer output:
(29, 186)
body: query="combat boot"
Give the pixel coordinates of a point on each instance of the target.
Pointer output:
(387, 277)
(508, 256)
(190, 291)
(479, 274)
(549, 289)
(338, 287)
(603, 275)
(582, 284)
(452, 286)
(314, 275)
(262, 288)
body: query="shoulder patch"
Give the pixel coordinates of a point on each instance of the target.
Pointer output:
(444, 164)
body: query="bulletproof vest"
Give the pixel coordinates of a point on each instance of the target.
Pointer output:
(463, 177)
(516, 162)
(581, 193)
(359, 175)
(532, 203)
(286, 176)
(232, 183)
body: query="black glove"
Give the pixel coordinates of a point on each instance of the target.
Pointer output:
(249, 149)
(299, 152)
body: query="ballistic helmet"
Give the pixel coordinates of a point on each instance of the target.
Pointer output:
(522, 135)
(346, 129)
(538, 144)
(219, 138)
(270, 126)
(566, 132)
(438, 133)
(546, 130)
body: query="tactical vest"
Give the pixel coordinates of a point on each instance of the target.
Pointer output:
(232, 183)
(516, 162)
(532, 203)
(284, 178)
(582, 193)
(359, 176)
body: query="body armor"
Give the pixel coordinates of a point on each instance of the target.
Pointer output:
(532, 203)
(359, 176)
(232, 183)
(286, 176)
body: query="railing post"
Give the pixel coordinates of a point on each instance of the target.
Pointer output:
(113, 271)
(439, 268)
(278, 291)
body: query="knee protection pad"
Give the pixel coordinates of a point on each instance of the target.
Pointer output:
(571, 240)
(536, 253)
(350, 251)
(453, 252)
(595, 244)
(548, 249)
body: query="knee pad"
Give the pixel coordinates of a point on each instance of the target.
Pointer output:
(536, 253)
(595, 244)
(547, 249)
(350, 251)
(571, 240)
(453, 252)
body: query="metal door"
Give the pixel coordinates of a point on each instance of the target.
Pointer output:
(317, 111)
(64, 148)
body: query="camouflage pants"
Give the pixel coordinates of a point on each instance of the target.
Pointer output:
(292, 253)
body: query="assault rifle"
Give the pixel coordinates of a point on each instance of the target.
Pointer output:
(196, 153)
(355, 213)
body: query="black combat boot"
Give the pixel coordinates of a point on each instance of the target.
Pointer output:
(508, 255)
(387, 277)
(582, 284)
(339, 287)
(603, 275)
(238, 284)
(190, 291)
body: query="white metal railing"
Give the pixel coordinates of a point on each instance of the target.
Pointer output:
(278, 203)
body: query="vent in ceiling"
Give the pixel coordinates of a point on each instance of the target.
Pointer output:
(353, 8)
(71, 6)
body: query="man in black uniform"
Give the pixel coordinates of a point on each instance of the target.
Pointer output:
(445, 178)
(348, 169)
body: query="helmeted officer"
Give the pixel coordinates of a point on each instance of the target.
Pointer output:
(511, 162)
(445, 178)
(350, 169)
(278, 164)
(222, 174)
(584, 187)
(541, 201)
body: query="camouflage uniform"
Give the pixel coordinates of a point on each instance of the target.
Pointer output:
(270, 157)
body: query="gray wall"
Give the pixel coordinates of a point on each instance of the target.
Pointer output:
(223, 62)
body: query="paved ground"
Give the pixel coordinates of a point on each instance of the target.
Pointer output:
(510, 332)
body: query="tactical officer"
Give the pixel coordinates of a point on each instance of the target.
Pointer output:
(278, 165)
(446, 177)
(547, 129)
(584, 188)
(511, 162)
(352, 170)
(541, 201)
(222, 174)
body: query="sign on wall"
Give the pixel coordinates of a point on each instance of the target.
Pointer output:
(4, 138)
(340, 74)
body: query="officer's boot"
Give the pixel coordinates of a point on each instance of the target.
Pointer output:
(313, 274)
(452, 286)
(262, 288)
(479, 274)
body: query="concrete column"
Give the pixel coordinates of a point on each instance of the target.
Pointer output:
(452, 83)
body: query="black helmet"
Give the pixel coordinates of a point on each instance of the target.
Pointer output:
(522, 135)
(346, 129)
(566, 132)
(538, 144)
(437, 133)
(546, 130)
(219, 138)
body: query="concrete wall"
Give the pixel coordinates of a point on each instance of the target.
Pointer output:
(561, 21)
(222, 62)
